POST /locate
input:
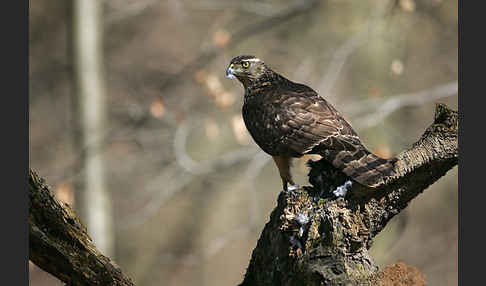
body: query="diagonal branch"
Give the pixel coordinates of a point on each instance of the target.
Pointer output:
(435, 153)
(60, 244)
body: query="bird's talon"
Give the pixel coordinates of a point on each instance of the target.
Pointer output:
(292, 188)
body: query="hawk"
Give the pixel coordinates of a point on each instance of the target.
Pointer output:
(288, 119)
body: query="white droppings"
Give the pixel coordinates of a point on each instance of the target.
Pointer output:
(302, 219)
(292, 188)
(342, 190)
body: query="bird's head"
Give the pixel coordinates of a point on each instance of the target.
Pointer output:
(247, 69)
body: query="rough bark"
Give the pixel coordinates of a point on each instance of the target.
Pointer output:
(316, 238)
(60, 244)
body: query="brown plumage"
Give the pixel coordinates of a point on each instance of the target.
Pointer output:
(288, 119)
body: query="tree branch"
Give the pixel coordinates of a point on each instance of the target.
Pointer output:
(321, 235)
(435, 153)
(60, 244)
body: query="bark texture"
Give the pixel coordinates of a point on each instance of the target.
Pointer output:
(317, 238)
(60, 244)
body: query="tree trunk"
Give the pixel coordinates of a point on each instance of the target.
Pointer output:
(316, 238)
(93, 200)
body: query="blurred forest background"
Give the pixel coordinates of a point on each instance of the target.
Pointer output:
(181, 191)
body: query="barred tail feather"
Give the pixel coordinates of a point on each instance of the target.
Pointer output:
(362, 166)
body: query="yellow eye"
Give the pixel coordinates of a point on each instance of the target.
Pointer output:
(232, 66)
(245, 64)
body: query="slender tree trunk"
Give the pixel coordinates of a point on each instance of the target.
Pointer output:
(92, 197)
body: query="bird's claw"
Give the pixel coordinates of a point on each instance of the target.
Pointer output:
(291, 189)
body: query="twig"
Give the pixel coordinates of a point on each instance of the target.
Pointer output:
(164, 187)
(342, 54)
(254, 7)
(124, 10)
(172, 179)
(208, 166)
(375, 110)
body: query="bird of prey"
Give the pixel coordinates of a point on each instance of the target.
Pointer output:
(288, 119)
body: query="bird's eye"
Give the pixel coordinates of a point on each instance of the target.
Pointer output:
(245, 64)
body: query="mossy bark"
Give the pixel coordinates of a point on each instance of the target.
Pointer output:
(316, 238)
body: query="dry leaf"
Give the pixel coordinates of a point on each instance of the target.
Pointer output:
(225, 99)
(65, 193)
(221, 38)
(374, 92)
(201, 76)
(407, 5)
(397, 67)
(214, 84)
(157, 108)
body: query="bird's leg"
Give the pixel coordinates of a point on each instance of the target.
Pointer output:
(283, 165)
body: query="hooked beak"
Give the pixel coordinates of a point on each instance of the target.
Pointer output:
(230, 73)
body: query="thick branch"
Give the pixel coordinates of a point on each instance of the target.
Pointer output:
(316, 238)
(60, 244)
(435, 153)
